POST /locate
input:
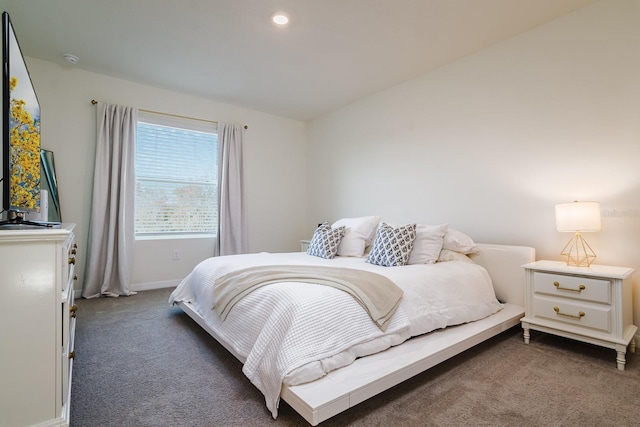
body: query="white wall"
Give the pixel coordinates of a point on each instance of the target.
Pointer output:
(490, 143)
(274, 153)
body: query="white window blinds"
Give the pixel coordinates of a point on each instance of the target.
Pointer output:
(176, 176)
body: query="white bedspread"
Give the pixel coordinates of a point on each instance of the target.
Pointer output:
(296, 332)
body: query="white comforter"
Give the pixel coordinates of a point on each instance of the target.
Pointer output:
(296, 332)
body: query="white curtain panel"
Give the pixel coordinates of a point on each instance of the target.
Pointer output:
(232, 228)
(111, 233)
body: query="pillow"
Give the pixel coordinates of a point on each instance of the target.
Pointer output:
(359, 233)
(325, 241)
(447, 255)
(392, 246)
(428, 243)
(455, 240)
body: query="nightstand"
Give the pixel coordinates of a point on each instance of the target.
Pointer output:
(304, 245)
(590, 304)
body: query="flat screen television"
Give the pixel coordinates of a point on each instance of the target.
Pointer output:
(20, 134)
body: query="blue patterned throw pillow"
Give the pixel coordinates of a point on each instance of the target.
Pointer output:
(392, 246)
(325, 241)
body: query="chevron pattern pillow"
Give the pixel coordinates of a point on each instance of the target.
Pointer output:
(325, 241)
(392, 246)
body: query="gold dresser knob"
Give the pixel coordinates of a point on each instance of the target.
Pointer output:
(72, 355)
(580, 288)
(72, 260)
(580, 315)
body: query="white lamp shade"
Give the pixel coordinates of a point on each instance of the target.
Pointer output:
(578, 217)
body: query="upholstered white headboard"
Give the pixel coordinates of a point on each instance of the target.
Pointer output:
(504, 264)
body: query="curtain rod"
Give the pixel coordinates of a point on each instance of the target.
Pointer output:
(94, 102)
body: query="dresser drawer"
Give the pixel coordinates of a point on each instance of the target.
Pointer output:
(566, 311)
(68, 260)
(68, 353)
(582, 288)
(70, 279)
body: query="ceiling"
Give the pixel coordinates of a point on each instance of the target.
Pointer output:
(332, 53)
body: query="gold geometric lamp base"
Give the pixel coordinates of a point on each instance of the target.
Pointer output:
(577, 217)
(578, 252)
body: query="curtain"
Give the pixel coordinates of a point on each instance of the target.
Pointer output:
(111, 233)
(232, 228)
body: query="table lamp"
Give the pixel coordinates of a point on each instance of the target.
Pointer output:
(578, 217)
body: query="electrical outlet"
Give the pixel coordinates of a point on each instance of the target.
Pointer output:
(176, 255)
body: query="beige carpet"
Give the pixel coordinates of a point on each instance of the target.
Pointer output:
(140, 362)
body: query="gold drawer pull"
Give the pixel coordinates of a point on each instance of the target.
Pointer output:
(73, 251)
(75, 277)
(72, 355)
(580, 315)
(72, 260)
(72, 310)
(560, 288)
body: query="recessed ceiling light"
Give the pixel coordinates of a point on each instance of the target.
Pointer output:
(280, 18)
(71, 59)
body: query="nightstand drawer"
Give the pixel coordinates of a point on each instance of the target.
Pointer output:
(592, 316)
(582, 288)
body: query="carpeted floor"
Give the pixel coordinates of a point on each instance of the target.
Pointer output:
(140, 363)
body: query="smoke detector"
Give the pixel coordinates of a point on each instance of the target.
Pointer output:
(70, 58)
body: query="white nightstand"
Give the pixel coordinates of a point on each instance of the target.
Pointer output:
(304, 245)
(590, 304)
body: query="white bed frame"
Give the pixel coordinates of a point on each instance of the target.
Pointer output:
(346, 387)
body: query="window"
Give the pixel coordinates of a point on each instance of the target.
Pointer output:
(176, 176)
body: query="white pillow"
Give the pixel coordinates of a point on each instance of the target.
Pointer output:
(448, 255)
(359, 232)
(428, 243)
(455, 240)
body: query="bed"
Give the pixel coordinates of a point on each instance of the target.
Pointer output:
(290, 333)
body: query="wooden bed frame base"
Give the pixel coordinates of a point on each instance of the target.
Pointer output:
(346, 387)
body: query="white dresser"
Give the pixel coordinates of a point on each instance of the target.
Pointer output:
(37, 318)
(590, 304)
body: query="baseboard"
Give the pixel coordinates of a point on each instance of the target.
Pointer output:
(147, 286)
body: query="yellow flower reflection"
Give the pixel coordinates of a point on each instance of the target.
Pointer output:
(24, 134)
